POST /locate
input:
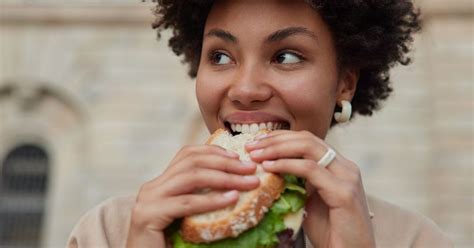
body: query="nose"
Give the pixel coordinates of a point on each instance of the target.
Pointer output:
(249, 88)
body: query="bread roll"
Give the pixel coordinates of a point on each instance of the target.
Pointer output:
(250, 208)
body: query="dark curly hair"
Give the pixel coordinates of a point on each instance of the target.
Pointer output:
(371, 35)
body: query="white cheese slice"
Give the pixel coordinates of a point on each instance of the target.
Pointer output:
(294, 221)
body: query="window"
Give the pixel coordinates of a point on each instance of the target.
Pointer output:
(23, 185)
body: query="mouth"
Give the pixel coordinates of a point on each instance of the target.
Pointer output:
(239, 128)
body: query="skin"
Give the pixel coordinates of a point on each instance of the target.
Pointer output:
(246, 77)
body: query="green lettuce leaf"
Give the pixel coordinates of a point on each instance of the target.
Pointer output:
(291, 179)
(281, 206)
(293, 183)
(290, 201)
(297, 188)
(294, 199)
(264, 235)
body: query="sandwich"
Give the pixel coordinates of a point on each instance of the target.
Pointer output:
(268, 216)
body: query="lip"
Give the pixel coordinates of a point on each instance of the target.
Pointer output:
(253, 117)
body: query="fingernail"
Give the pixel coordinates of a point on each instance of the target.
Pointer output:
(232, 154)
(256, 152)
(247, 163)
(261, 136)
(268, 162)
(252, 143)
(231, 194)
(251, 178)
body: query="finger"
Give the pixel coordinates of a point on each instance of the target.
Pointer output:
(283, 137)
(335, 190)
(217, 162)
(208, 161)
(275, 133)
(180, 206)
(293, 148)
(318, 177)
(199, 178)
(301, 133)
(193, 150)
(284, 146)
(186, 205)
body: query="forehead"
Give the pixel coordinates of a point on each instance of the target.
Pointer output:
(250, 17)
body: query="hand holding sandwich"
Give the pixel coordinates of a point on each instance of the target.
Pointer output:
(338, 214)
(170, 196)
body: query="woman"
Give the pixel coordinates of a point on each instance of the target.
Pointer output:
(302, 65)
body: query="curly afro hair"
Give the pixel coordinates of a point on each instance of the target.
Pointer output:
(371, 35)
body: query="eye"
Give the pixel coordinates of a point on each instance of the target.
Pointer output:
(288, 58)
(220, 58)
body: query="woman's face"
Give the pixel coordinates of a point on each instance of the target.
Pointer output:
(270, 61)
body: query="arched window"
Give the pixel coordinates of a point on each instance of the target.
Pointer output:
(23, 185)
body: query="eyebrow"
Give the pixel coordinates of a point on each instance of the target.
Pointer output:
(279, 35)
(222, 34)
(287, 32)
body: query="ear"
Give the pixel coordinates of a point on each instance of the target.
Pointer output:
(347, 84)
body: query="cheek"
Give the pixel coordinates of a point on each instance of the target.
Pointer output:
(310, 105)
(204, 94)
(310, 98)
(201, 92)
(309, 91)
(209, 97)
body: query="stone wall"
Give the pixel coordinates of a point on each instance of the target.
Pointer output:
(118, 105)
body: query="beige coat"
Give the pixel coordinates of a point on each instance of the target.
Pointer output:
(107, 226)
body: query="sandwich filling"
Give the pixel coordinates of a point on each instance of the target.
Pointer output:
(277, 225)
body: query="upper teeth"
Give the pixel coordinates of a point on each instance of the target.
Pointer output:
(255, 127)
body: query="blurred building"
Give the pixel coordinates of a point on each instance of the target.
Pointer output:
(92, 106)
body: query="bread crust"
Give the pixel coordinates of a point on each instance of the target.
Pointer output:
(238, 218)
(214, 136)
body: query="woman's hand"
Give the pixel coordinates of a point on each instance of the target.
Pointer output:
(338, 214)
(172, 194)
